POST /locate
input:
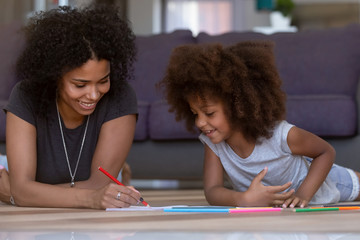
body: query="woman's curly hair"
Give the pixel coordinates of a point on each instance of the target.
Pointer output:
(243, 77)
(62, 39)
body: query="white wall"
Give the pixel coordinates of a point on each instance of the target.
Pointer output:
(325, 1)
(247, 17)
(145, 16)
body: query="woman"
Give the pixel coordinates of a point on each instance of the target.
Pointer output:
(72, 112)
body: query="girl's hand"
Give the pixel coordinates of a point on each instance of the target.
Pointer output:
(4, 186)
(295, 201)
(260, 195)
(115, 196)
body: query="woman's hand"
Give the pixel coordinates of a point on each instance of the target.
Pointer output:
(260, 195)
(4, 186)
(115, 196)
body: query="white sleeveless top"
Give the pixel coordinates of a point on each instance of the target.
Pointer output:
(275, 154)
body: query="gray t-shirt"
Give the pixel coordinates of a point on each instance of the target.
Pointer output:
(51, 161)
(275, 154)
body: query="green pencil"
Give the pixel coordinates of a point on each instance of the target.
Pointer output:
(316, 209)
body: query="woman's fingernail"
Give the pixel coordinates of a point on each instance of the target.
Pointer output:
(2, 167)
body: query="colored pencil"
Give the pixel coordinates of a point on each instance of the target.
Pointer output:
(197, 210)
(342, 205)
(341, 208)
(247, 210)
(119, 183)
(203, 207)
(315, 209)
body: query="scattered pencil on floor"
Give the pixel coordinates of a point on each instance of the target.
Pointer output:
(317, 209)
(214, 209)
(248, 210)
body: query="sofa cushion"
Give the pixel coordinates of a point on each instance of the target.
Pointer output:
(11, 43)
(323, 115)
(152, 59)
(312, 61)
(163, 126)
(326, 116)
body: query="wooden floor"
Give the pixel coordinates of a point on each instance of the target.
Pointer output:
(56, 219)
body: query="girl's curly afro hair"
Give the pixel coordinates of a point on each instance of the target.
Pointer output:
(244, 77)
(62, 39)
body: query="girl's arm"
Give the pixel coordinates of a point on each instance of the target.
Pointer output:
(304, 143)
(256, 195)
(113, 145)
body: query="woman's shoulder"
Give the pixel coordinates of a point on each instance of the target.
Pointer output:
(126, 93)
(123, 98)
(118, 104)
(21, 104)
(18, 95)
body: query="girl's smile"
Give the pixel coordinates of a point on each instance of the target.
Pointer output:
(211, 119)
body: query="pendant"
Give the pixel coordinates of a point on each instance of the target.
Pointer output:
(72, 184)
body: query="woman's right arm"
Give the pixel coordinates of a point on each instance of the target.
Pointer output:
(21, 153)
(256, 195)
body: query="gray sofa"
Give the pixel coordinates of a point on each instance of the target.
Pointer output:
(320, 70)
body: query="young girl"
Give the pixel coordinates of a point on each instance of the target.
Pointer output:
(234, 96)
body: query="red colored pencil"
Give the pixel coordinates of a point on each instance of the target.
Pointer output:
(119, 183)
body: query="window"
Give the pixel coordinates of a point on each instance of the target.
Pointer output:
(211, 16)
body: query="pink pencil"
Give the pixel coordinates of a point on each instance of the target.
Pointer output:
(246, 210)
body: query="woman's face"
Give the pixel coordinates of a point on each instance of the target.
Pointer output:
(82, 88)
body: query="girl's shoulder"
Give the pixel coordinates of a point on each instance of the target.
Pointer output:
(280, 134)
(217, 148)
(282, 127)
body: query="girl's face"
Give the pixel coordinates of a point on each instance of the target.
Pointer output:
(211, 119)
(82, 88)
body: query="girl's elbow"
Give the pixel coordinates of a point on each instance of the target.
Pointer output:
(332, 153)
(328, 154)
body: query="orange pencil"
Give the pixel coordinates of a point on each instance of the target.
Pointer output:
(349, 208)
(341, 207)
(119, 183)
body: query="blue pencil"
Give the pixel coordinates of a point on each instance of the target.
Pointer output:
(200, 210)
(204, 207)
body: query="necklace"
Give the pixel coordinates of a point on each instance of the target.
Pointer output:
(72, 175)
